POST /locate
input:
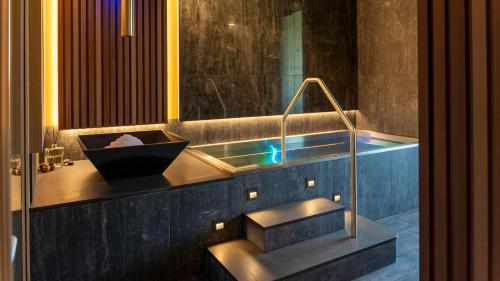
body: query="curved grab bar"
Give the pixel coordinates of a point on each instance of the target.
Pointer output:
(352, 137)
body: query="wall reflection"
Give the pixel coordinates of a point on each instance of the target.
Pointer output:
(241, 58)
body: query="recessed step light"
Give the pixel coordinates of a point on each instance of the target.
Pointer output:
(310, 183)
(252, 194)
(218, 225)
(337, 197)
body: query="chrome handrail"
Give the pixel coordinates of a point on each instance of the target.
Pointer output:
(352, 137)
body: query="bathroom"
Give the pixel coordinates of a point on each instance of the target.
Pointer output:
(289, 120)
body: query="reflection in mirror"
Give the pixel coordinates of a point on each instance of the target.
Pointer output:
(241, 58)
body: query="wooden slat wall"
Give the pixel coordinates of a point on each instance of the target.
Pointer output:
(493, 8)
(104, 79)
(459, 92)
(5, 220)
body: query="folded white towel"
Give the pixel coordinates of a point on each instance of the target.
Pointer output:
(125, 140)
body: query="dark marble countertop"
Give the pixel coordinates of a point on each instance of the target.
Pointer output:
(82, 183)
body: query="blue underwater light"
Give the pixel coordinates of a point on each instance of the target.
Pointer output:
(275, 158)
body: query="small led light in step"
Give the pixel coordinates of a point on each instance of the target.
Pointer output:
(310, 183)
(337, 197)
(252, 194)
(218, 225)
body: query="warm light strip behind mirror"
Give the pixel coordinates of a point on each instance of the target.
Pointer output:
(173, 59)
(50, 70)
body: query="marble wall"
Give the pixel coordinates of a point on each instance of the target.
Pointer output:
(241, 58)
(388, 66)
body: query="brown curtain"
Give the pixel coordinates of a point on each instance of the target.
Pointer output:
(459, 68)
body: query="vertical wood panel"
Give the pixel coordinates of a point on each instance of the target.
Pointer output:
(120, 60)
(113, 45)
(106, 60)
(104, 79)
(160, 92)
(459, 91)
(425, 147)
(67, 48)
(127, 83)
(98, 63)
(5, 149)
(91, 41)
(133, 51)
(494, 79)
(75, 63)
(140, 61)
(165, 62)
(61, 64)
(440, 250)
(84, 100)
(459, 141)
(154, 60)
(147, 59)
(479, 56)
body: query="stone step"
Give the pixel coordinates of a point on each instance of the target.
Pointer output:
(335, 256)
(287, 224)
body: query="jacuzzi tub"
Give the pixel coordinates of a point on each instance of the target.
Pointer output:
(249, 155)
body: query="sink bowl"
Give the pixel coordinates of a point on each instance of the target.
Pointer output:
(152, 158)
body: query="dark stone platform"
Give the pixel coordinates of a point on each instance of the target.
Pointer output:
(330, 257)
(164, 230)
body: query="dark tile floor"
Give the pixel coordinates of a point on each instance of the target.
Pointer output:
(407, 266)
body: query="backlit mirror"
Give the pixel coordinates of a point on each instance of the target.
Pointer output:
(241, 58)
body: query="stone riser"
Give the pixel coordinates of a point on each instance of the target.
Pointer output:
(284, 235)
(344, 269)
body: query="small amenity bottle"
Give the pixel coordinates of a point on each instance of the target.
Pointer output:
(54, 154)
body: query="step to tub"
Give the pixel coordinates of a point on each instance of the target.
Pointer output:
(335, 256)
(287, 224)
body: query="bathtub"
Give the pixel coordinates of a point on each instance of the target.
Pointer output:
(244, 156)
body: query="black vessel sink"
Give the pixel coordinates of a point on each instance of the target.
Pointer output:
(158, 151)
